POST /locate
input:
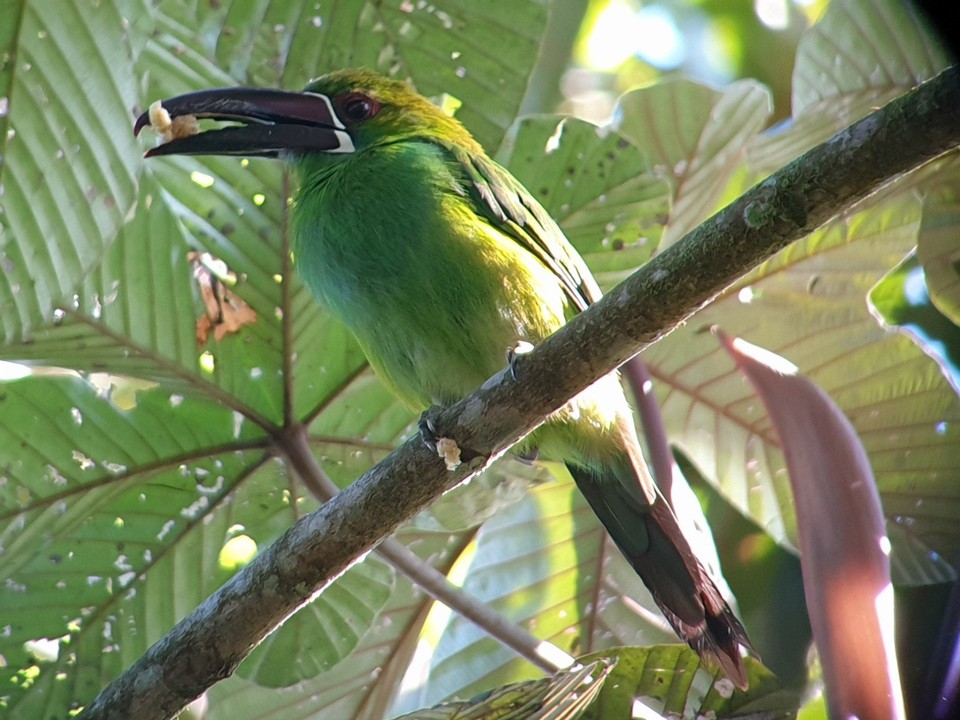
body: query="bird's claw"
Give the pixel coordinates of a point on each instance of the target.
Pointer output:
(514, 353)
(428, 428)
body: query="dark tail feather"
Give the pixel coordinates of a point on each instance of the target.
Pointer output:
(651, 540)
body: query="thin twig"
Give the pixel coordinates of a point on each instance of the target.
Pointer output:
(651, 421)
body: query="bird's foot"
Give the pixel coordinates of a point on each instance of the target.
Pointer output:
(428, 428)
(514, 353)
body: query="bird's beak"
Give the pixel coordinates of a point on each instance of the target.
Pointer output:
(271, 122)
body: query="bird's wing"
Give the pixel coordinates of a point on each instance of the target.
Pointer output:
(510, 207)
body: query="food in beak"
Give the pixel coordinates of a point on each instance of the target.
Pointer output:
(171, 128)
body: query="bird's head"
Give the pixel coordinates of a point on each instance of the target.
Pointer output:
(341, 113)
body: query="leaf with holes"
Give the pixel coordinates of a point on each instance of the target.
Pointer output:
(597, 185)
(69, 171)
(666, 680)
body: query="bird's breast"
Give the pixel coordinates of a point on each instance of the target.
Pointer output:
(434, 293)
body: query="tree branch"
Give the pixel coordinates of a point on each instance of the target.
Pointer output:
(207, 645)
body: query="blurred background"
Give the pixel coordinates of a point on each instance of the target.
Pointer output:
(620, 44)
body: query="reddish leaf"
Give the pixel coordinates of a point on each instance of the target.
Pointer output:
(844, 550)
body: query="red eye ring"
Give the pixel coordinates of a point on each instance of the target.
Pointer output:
(355, 107)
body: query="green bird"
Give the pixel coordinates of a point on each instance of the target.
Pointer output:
(438, 260)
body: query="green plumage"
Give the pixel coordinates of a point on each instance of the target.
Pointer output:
(434, 295)
(438, 260)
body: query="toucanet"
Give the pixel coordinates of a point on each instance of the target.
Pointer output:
(439, 260)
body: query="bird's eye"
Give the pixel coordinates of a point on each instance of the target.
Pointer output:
(355, 107)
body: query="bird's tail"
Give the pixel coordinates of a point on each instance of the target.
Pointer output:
(650, 538)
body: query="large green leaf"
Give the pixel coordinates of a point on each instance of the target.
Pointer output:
(565, 696)
(361, 687)
(623, 683)
(861, 45)
(325, 631)
(113, 520)
(364, 685)
(11, 20)
(473, 51)
(69, 170)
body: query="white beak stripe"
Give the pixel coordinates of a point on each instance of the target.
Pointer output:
(333, 114)
(346, 143)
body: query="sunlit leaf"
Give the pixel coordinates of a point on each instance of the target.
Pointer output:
(544, 562)
(809, 303)
(129, 516)
(665, 678)
(362, 686)
(565, 696)
(860, 45)
(860, 55)
(938, 248)
(694, 137)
